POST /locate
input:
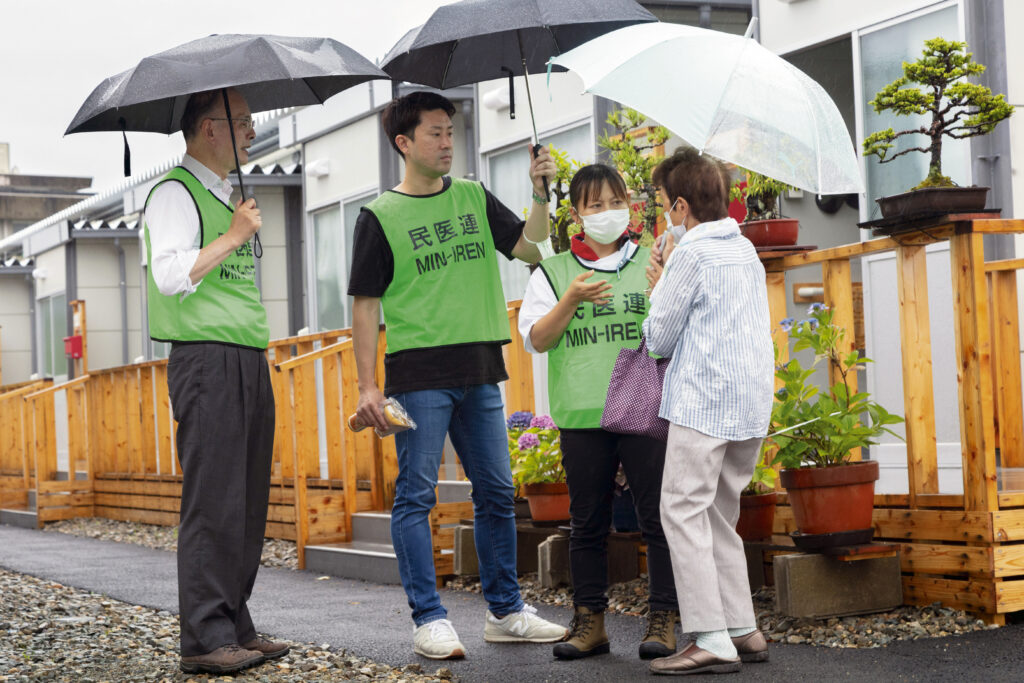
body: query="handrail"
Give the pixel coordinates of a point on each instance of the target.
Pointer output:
(312, 355)
(23, 390)
(57, 387)
(1005, 264)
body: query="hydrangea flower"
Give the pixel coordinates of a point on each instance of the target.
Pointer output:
(543, 421)
(519, 419)
(528, 440)
(787, 324)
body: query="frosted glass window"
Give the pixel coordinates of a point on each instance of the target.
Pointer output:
(54, 324)
(882, 55)
(333, 231)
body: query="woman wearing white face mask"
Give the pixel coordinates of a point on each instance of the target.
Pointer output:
(582, 307)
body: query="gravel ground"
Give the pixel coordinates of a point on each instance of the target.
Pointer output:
(868, 631)
(276, 552)
(49, 632)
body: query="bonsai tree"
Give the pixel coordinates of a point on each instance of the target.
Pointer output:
(632, 154)
(936, 85)
(818, 429)
(562, 225)
(762, 194)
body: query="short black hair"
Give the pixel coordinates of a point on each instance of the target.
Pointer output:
(402, 115)
(198, 107)
(588, 181)
(701, 180)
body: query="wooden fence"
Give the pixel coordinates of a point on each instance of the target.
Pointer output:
(123, 464)
(964, 550)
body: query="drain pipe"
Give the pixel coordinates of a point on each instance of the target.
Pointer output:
(122, 276)
(32, 322)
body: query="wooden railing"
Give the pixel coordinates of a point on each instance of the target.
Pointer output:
(965, 550)
(122, 462)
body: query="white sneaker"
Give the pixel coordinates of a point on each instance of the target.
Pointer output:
(523, 626)
(438, 640)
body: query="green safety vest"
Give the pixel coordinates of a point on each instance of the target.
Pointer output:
(580, 365)
(225, 307)
(446, 289)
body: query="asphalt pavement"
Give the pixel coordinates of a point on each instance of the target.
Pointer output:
(373, 621)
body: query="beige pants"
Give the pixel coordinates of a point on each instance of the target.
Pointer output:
(700, 503)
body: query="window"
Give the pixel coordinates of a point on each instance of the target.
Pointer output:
(882, 55)
(333, 231)
(509, 181)
(53, 327)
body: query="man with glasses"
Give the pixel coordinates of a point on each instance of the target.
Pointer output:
(203, 299)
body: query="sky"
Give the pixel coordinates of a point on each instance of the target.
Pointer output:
(54, 53)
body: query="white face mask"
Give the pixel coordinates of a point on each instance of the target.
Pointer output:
(676, 230)
(607, 226)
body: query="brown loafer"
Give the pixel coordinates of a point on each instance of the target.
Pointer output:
(268, 648)
(223, 660)
(694, 660)
(752, 647)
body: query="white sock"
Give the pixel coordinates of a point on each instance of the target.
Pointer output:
(717, 643)
(737, 632)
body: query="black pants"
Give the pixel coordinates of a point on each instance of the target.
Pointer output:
(224, 406)
(591, 458)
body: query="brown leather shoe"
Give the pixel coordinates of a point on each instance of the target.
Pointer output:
(269, 648)
(223, 660)
(752, 647)
(694, 660)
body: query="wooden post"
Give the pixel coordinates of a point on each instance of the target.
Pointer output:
(354, 442)
(776, 282)
(519, 387)
(918, 393)
(974, 371)
(299, 489)
(1006, 346)
(163, 420)
(838, 285)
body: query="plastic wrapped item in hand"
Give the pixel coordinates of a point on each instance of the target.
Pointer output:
(394, 413)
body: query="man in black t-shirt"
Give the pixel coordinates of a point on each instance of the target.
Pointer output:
(425, 252)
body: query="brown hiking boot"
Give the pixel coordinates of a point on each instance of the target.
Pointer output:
(660, 637)
(223, 660)
(269, 648)
(587, 636)
(752, 647)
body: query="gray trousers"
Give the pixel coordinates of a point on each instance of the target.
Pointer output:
(224, 405)
(700, 503)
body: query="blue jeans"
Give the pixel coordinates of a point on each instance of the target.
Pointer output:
(474, 418)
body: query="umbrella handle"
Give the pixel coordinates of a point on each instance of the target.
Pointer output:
(536, 153)
(511, 92)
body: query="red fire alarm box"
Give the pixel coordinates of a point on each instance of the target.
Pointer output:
(73, 346)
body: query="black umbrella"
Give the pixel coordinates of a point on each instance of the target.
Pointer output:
(480, 40)
(272, 72)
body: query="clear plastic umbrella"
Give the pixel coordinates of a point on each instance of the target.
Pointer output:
(728, 97)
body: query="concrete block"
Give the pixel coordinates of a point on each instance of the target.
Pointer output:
(817, 586)
(553, 561)
(466, 562)
(528, 538)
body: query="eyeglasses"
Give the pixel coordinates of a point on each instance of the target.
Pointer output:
(245, 124)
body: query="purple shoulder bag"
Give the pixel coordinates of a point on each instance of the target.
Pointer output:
(634, 395)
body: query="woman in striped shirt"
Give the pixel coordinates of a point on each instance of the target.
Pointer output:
(709, 312)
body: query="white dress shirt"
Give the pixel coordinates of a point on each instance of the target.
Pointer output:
(173, 222)
(539, 298)
(709, 312)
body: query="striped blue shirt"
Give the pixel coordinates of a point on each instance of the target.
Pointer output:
(709, 312)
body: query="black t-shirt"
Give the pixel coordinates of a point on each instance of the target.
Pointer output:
(440, 367)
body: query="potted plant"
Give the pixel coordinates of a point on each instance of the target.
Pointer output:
(758, 499)
(815, 431)
(764, 225)
(935, 85)
(536, 455)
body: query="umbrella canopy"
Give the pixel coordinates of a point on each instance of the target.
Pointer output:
(472, 40)
(270, 71)
(727, 96)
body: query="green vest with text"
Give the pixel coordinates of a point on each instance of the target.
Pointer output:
(225, 307)
(580, 365)
(446, 289)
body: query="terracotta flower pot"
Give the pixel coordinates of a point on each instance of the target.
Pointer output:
(830, 499)
(548, 502)
(757, 516)
(774, 232)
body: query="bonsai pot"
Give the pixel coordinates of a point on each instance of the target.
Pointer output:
(548, 502)
(827, 500)
(757, 516)
(934, 200)
(773, 232)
